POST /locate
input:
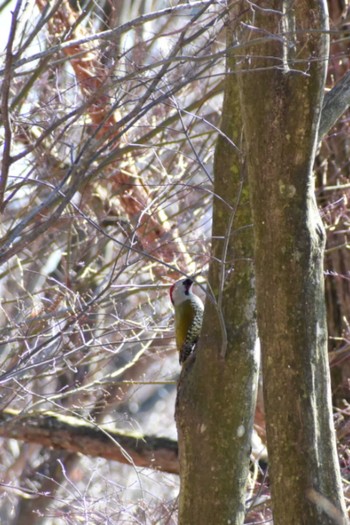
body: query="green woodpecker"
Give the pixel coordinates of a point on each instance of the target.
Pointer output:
(188, 317)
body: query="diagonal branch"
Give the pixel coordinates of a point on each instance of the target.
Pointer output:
(336, 102)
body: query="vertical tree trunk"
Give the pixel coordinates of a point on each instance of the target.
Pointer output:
(216, 393)
(281, 95)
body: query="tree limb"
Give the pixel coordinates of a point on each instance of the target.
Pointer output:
(5, 94)
(336, 102)
(74, 435)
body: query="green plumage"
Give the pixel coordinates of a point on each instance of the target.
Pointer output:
(188, 324)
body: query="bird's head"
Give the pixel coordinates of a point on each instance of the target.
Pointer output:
(180, 291)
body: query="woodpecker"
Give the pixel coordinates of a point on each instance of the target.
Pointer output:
(188, 317)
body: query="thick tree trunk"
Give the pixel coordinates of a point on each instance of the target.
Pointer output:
(217, 390)
(281, 96)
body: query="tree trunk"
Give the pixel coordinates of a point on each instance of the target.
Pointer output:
(281, 89)
(217, 390)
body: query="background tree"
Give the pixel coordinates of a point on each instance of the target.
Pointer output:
(281, 119)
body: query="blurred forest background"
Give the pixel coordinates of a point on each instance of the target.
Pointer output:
(109, 116)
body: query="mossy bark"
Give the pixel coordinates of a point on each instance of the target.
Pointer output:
(281, 89)
(217, 390)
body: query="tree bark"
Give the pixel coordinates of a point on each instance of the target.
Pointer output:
(217, 389)
(281, 89)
